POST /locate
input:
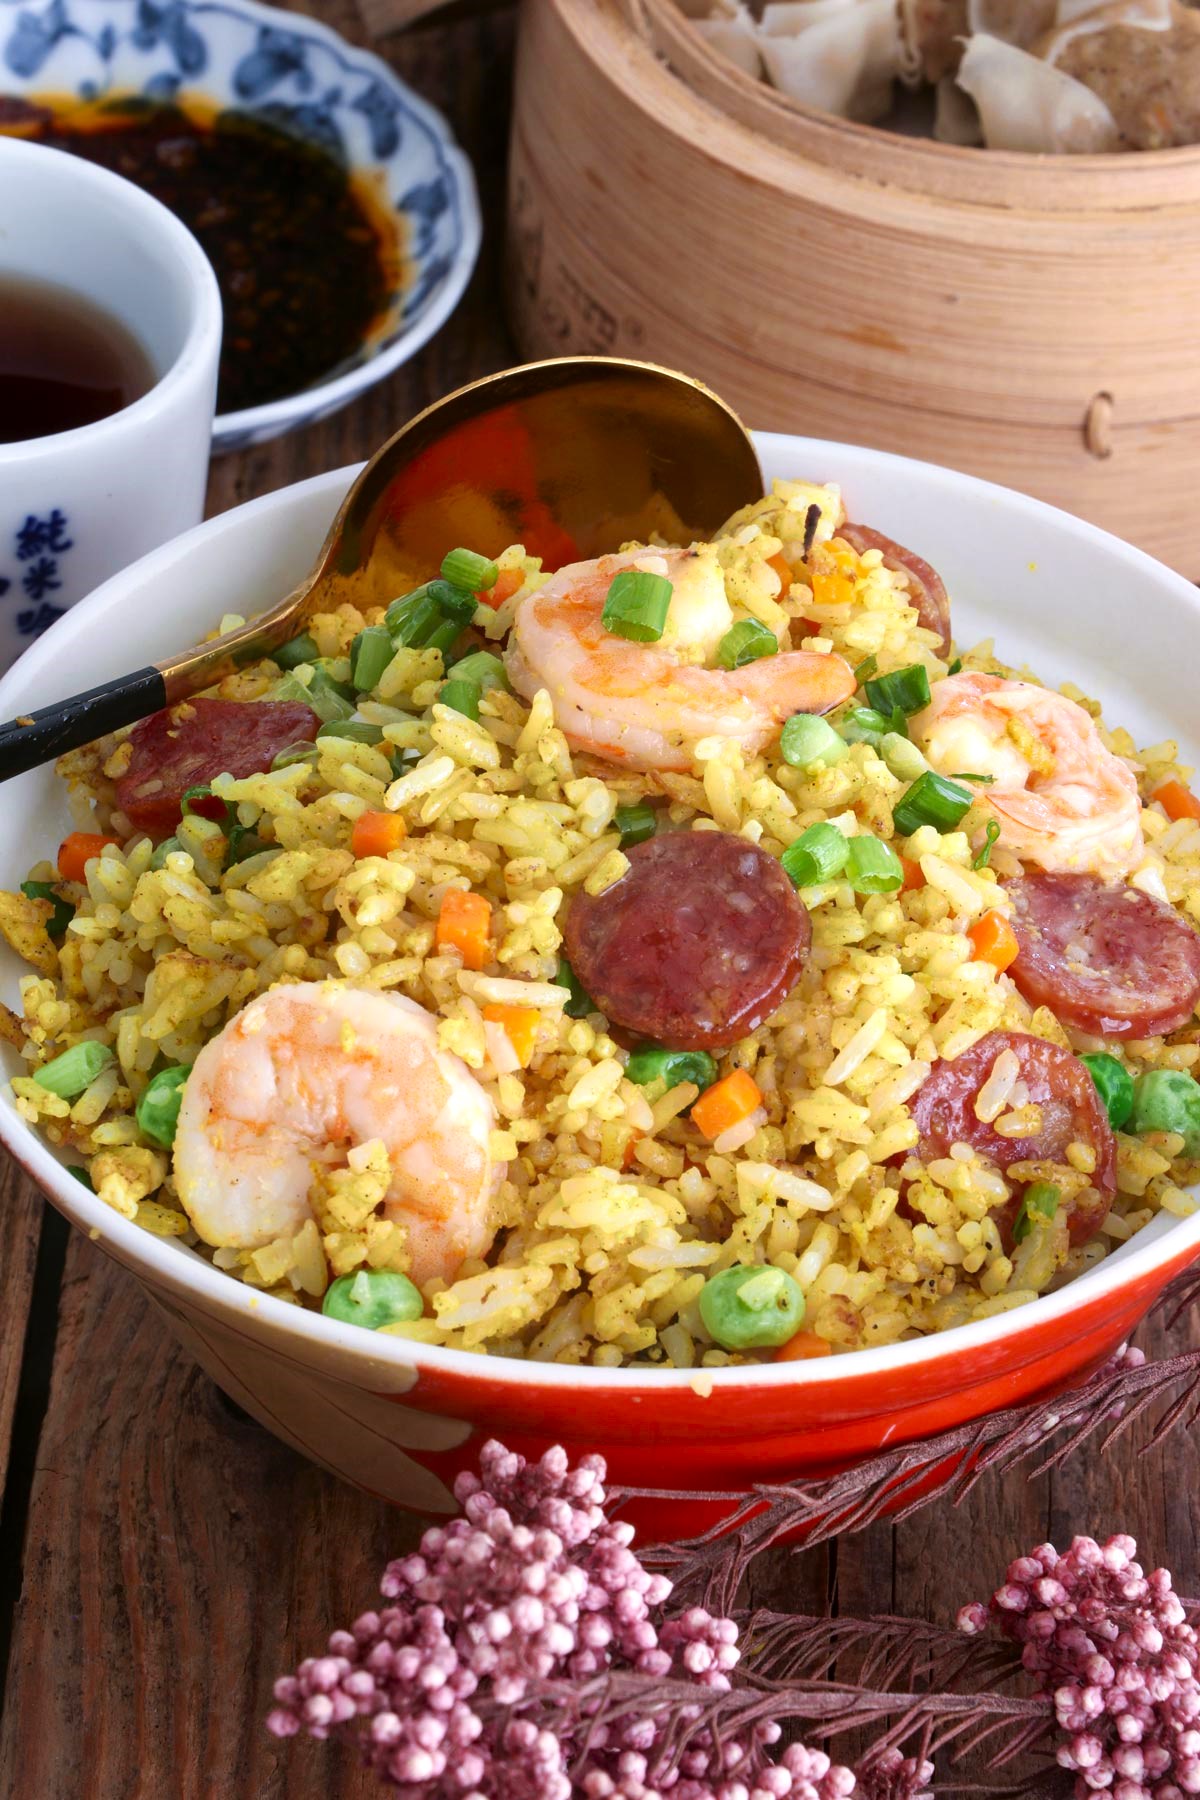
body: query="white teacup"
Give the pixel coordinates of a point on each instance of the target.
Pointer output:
(78, 506)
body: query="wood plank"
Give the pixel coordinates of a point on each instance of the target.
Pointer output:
(21, 1207)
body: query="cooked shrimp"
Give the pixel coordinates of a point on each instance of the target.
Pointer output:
(646, 705)
(1061, 799)
(303, 1074)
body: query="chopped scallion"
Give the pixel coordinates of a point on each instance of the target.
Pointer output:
(81, 1174)
(906, 688)
(955, 667)
(467, 569)
(158, 1109)
(370, 654)
(965, 775)
(635, 823)
(189, 797)
(866, 668)
(163, 850)
(70, 1074)
(410, 619)
(807, 739)
(990, 837)
(303, 752)
(328, 698)
(653, 1062)
(461, 696)
(356, 731)
(482, 669)
(931, 800)
(902, 756)
(636, 605)
(297, 650)
(63, 913)
(872, 867)
(863, 725)
(745, 642)
(817, 855)
(580, 1004)
(1040, 1202)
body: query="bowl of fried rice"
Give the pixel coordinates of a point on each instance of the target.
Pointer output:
(729, 1006)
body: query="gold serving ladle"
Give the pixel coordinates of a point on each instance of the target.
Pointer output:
(569, 457)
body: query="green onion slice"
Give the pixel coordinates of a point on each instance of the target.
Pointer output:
(906, 688)
(1040, 1201)
(745, 642)
(955, 667)
(481, 668)
(966, 775)
(991, 836)
(1114, 1084)
(580, 1004)
(931, 800)
(81, 1174)
(328, 698)
(461, 696)
(60, 918)
(863, 725)
(635, 823)
(866, 668)
(409, 620)
(370, 654)
(653, 1062)
(163, 850)
(355, 731)
(158, 1108)
(187, 802)
(636, 605)
(303, 752)
(872, 867)
(817, 855)
(70, 1074)
(467, 569)
(302, 649)
(807, 739)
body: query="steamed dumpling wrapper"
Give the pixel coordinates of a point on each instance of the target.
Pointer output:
(1027, 104)
(934, 30)
(1142, 59)
(732, 34)
(839, 56)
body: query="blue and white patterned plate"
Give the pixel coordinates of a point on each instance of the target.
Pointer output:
(300, 75)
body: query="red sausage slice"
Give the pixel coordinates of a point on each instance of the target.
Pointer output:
(944, 1110)
(187, 745)
(695, 945)
(1108, 960)
(928, 588)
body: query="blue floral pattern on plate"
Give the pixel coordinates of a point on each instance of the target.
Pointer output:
(301, 76)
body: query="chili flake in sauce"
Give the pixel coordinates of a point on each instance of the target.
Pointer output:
(304, 261)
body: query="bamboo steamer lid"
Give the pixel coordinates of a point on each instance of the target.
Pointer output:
(1029, 319)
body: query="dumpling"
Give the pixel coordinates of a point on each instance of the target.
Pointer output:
(935, 30)
(1027, 104)
(731, 33)
(1141, 58)
(840, 56)
(955, 116)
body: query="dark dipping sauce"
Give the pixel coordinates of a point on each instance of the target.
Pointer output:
(304, 261)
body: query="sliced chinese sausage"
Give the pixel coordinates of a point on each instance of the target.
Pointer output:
(186, 745)
(928, 588)
(1105, 959)
(695, 945)
(1058, 1085)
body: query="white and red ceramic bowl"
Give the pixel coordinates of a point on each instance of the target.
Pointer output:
(401, 1419)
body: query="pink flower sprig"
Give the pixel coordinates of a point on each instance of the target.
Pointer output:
(535, 1584)
(1112, 1649)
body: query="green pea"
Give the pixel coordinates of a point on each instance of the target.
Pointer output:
(750, 1307)
(652, 1062)
(1168, 1100)
(158, 1108)
(373, 1297)
(1114, 1084)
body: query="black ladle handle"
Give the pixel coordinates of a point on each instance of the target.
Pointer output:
(38, 737)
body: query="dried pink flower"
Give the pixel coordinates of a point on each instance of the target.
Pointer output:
(535, 1585)
(1112, 1649)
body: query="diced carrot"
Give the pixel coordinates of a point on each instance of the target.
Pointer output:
(463, 925)
(376, 833)
(520, 1024)
(77, 850)
(913, 875)
(726, 1103)
(1177, 801)
(994, 940)
(507, 583)
(783, 569)
(831, 576)
(801, 1348)
(629, 1157)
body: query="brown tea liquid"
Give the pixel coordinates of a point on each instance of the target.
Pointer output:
(63, 361)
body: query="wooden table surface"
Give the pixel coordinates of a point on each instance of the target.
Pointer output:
(162, 1558)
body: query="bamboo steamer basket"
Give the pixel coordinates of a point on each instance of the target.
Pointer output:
(1028, 319)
